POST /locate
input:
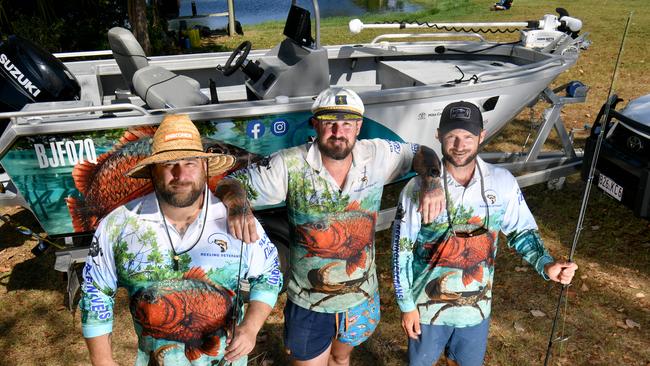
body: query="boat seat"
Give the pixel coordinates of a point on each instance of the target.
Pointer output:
(128, 53)
(161, 88)
(156, 86)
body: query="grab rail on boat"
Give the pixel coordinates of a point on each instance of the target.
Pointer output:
(534, 67)
(73, 110)
(426, 35)
(62, 55)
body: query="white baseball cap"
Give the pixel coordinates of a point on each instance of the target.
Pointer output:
(337, 100)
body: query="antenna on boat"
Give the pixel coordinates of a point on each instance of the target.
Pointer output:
(585, 198)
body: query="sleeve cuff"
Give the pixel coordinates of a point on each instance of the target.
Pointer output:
(541, 263)
(92, 331)
(406, 306)
(266, 297)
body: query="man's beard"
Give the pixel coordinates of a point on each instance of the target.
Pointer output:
(179, 199)
(468, 159)
(336, 152)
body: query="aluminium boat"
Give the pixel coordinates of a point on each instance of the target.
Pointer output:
(71, 135)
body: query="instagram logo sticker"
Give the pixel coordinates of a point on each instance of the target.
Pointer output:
(279, 127)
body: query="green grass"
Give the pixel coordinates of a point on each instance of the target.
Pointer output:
(613, 253)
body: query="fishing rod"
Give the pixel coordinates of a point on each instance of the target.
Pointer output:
(585, 198)
(235, 314)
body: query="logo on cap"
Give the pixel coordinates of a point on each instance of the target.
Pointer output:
(341, 100)
(460, 113)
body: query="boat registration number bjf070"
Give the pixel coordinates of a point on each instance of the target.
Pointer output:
(608, 185)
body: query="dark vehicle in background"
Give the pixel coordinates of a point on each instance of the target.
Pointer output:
(623, 169)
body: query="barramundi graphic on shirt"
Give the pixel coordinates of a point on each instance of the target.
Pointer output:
(467, 254)
(190, 310)
(333, 224)
(347, 236)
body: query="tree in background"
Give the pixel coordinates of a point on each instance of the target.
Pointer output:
(81, 25)
(71, 25)
(139, 24)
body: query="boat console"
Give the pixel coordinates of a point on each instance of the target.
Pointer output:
(298, 66)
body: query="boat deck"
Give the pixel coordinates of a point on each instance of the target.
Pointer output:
(396, 74)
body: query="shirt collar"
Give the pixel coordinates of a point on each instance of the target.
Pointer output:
(150, 210)
(485, 171)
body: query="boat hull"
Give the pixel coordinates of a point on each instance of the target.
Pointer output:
(57, 162)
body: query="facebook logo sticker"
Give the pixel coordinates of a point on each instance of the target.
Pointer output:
(279, 127)
(255, 129)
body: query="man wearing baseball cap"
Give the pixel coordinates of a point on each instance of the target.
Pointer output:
(443, 271)
(333, 189)
(172, 252)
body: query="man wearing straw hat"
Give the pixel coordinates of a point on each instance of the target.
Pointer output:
(172, 252)
(333, 189)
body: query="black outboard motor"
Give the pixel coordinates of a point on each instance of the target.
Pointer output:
(29, 74)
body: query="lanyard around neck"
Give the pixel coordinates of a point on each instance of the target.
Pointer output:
(176, 255)
(450, 220)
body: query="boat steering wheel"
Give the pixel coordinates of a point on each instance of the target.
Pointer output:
(240, 53)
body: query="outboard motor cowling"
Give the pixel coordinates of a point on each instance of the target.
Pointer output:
(29, 74)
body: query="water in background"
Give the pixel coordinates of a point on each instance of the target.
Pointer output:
(257, 11)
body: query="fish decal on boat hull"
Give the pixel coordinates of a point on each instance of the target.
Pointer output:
(104, 186)
(243, 158)
(191, 310)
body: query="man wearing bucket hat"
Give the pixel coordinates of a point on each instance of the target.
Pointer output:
(443, 271)
(172, 252)
(332, 188)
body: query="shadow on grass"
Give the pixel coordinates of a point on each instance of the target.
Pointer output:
(10, 237)
(36, 274)
(27, 272)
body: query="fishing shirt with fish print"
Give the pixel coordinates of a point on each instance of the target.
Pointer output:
(332, 249)
(446, 277)
(181, 297)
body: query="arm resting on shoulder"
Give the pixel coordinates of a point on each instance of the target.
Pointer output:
(432, 199)
(241, 222)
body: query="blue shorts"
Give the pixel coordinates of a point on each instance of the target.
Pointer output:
(308, 333)
(464, 345)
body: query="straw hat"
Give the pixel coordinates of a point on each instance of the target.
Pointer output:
(175, 139)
